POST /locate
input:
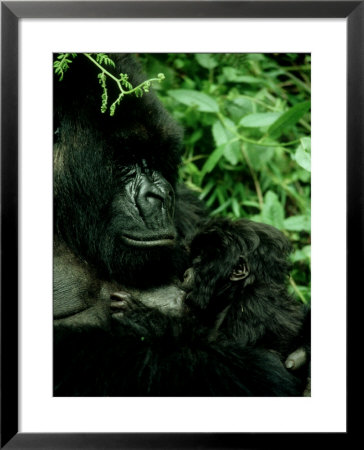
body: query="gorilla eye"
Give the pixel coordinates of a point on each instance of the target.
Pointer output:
(240, 272)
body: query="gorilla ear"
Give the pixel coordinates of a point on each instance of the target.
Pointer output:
(241, 271)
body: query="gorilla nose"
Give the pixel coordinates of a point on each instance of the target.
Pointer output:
(152, 196)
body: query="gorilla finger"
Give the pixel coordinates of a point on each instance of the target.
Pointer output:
(296, 359)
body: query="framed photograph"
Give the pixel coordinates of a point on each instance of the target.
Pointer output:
(296, 43)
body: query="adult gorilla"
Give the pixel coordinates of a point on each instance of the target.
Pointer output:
(117, 215)
(121, 223)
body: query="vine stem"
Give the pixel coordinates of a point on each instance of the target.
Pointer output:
(268, 144)
(251, 141)
(194, 158)
(100, 67)
(257, 101)
(258, 189)
(117, 81)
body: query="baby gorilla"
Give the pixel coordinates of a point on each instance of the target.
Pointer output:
(216, 339)
(237, 286)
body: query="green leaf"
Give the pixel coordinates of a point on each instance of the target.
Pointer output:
(259, 120)
(239, 107)
(234, 76)
(302, 155)
(235, 207)
(138, 92)
(259, 155)
(306, 143)
(232, 153)
(298, 223)
(303, 159)
(303, 254)
(272, 211)
(211, 199)
(220, 133)
(206, 190)
(251, 203)
(195, 136)
(206, 60)
(192, 169)
(223, 135)
(213, 159)
(203, 102)
(222, 208)
(289, 118)
(102, 58)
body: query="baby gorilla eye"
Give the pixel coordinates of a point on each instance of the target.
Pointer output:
(240, 272)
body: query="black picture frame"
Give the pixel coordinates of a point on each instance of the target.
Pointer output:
(11, 12)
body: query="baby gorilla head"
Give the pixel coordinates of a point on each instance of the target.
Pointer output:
(229, 256)
(238, 282)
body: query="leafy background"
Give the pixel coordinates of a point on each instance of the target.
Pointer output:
(247, 138)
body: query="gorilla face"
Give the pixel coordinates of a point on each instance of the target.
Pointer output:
(120, 222)
(219, 267)
(115, 178)
(240, 250)
(234, 265)
(143, 211)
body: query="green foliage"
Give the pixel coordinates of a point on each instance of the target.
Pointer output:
(100, 60)
(103, 59)
(247, 138)
(61, 65)
(199, 100)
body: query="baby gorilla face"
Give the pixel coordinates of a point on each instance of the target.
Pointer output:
(229, 256)
(219, 267)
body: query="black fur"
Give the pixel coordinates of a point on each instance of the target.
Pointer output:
(149, 351)
(257, 309)
(146, 353)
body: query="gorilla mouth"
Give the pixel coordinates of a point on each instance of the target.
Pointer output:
(155, 241)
